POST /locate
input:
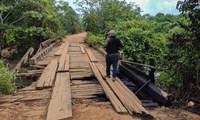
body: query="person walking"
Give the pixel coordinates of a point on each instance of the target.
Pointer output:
(113, 46)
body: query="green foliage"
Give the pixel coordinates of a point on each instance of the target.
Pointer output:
(92, 39)
(6, 80)
(98, 13)
(26, 23)
(69, 19)
(144, 37)
(166, 81)
(184, 57)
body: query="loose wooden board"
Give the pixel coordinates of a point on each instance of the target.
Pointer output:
(109, 93)
(91, 56)
(60, 106)
(48, 75)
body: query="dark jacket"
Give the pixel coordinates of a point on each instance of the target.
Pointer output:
(114, 45)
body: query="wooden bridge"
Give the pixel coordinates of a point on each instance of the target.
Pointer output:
(69, 70)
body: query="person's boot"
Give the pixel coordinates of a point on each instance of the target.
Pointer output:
(113, 79)
(107, 76)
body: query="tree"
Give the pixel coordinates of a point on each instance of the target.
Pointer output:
(184, 56)
(97, 14)
(70, 20)
(27, 22)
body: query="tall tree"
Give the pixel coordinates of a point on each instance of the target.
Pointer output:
(97, 14)
(70, 20)
(184, 48)
(27, 22)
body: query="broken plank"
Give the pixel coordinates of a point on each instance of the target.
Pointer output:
(48, 75)
(60, 106)
(91, 55)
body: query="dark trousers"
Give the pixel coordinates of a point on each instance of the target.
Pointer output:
(112, 59)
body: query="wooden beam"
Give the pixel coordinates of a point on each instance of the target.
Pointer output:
(60, 106)
(23, 60)
(109, 93)
(91, 56)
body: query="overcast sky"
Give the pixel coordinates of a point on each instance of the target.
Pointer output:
(150, 6)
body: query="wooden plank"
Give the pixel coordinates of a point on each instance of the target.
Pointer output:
(74, 44)
(91, 56)
(61, 62)
(82, 49)
(60, 106)
(139, 80)
(74, 49)
(38, 66)
(64, 59)
(58, 53)
(48, 75)
(81, 76)
(109, 93)
(36, 71)
(24, 59)
(67, 63)
(130, 93)
(79, 70)
(129, 100)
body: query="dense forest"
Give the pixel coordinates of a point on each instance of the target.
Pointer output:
(170, 41)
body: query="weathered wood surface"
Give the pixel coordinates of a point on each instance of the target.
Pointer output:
(37, 66)
(91, 56)
(23, 60)
(64, 63)
(140, 80)
(59, 51)
(109, 93)
(83, 65)
(48, 75)
(128, 99)
(26, 96)
(82, 49)
(60, 106)
(64, 59)
(74, 49)
(48, 42)
(40, 54)
(81, 75)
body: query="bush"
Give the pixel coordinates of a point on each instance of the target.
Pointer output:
(92, 39)
(6, 79)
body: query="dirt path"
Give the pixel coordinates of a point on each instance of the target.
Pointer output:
(31, 104)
